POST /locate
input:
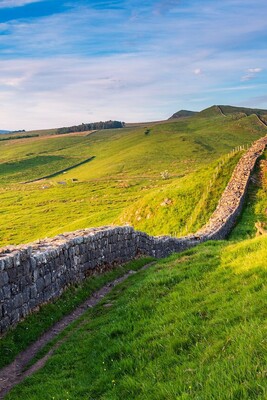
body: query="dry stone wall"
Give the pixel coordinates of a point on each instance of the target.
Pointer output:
(31, 275)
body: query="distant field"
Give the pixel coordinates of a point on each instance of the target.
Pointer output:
(124, 183)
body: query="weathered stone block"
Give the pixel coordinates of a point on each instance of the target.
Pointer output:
(4, 279)
(18, 300)
(6, 292)
(33, 292)
(40, 284)
(14, 289)
(8, 307)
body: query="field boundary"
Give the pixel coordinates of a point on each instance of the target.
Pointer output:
(61, 171)
(262, 121)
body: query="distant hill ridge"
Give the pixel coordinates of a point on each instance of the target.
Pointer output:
(183, 114)
(212, 111)
(219, 110)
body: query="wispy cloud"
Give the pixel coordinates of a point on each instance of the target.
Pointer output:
(251, 73)
(198, 71)
(128, 60)
(16, 3)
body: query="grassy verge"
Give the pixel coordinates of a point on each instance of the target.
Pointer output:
(183, 205)
(28, 331)
(191, 327)
(255, 207)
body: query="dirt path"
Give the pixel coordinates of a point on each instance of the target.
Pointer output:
(60, 171)
(17, 371)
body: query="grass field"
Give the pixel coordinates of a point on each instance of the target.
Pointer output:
(193, 326)
(123, 183)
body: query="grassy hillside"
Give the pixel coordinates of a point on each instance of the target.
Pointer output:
(124, 179)
(181, 205)
(192, 326)
(180, 147)
(255, 210)
(26, 134)
(230, 110)
(245, 110)
(27, 159)
(183, 114)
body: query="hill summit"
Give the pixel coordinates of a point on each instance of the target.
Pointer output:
(227, 110)
(219, 110)
(183, 114)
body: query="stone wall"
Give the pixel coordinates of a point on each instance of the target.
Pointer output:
(31, 275)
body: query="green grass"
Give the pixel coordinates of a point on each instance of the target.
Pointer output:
(34, 325)
(123, 179)
(235, 112)
(182, 329)
(191, 327)
(245, 110)
(44, 210)
(183, 205)
(28, 159)
(255, 209)
(180, 147)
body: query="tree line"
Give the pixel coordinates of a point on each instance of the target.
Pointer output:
(91, 126)
(18, 137)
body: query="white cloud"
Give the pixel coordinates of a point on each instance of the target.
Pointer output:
(251, 73)
(254, 70)
(197, 71)
(16, 3)
(55, 92)
(77, 66)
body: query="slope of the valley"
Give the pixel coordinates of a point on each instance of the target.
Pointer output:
(162, 178)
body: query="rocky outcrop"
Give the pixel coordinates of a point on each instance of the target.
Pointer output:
(33, 274)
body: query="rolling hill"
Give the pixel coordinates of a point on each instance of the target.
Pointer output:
(220, 110)
(123, 180)
(183, 114)
(192, 326)
(230, 110)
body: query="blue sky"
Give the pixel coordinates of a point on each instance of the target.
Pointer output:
(65, 62)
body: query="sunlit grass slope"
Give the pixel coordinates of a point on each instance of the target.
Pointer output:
(230, 110)
(179, 147)
(255, 209)
(182, 205)
(44, 210)
(191, 327)
(31, 158)
(123, 182)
